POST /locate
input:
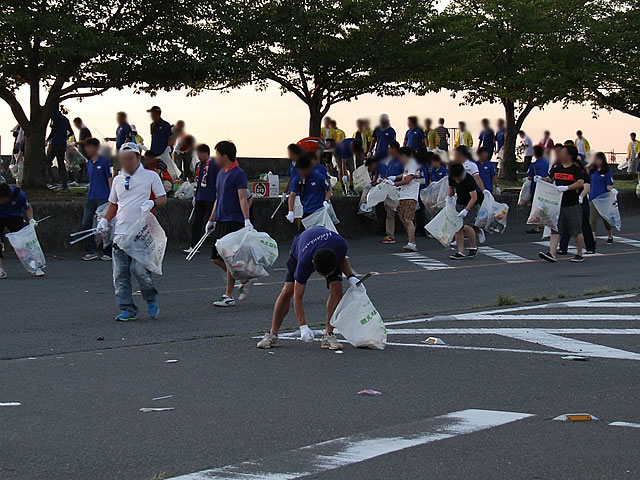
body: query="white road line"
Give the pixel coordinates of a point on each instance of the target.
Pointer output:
(624, 424)
(479, 349)
(570, 249)
(332, 454)
(423, 262)
(479, 317)
(626, 241)
(502, 255)
(500, 331)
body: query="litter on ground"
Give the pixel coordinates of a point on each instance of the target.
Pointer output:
(369, 392)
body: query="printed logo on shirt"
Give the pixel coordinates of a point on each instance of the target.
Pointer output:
(563, 176)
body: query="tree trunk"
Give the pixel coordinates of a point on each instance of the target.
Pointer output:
(315, 119)
(509, 161)
(34, 155)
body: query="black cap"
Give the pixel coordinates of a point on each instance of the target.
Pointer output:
(155, 108)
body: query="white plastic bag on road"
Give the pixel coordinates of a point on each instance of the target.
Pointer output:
(445, 225)
(607, 206)
(525, 193)
(145, 242)
(247, 253)
(358, 321)
(185, 191)
(383, 192)
(545, 208)
(321, 218)
(27, 247)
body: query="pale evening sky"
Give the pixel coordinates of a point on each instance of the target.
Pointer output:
(263, 123)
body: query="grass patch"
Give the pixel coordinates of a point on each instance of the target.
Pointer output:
(539, 299)
(562, 295)
(159, 476)
(598, 291)
(506, 300)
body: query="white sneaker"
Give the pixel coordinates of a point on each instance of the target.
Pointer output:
(90, 256)
(105, 258)
(330, 342)
(481, 236)
(244, 290)
(225, 301)
(3, 274)
(306, 334)
(268, 341)
(410, 247)
(38, 273)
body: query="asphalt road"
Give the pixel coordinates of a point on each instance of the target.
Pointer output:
(81, 378)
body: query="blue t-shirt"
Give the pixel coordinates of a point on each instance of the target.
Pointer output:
(539, 167)
(382, 170)
(487, 138)
(99, 174)
(322, 170)
(383, 136)
(123, 134)
(395, 168)
(439, 174)
(487, 171)
(292, 170)
(500, 138)
(18, 203)
(424, 174)
(599, 182)
(160, 133)
(344, 147)
(207, 177)
(227, 202)
(60, 130)
(308, 243)
(311, 191)
(415, 138)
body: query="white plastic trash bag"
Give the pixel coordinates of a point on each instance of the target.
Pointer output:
(525, 193)
(27, 247)
(173, 170)
(492, 215)
(545, 207)
(105, 237)
(358, 321)
(361, 178)
(298, 210)
(445, 225)
(607, 206)
(383, 192)
(434, 195)
(321, 218)
(145, 242)
(185, 191)
(247, 253)
(486, 210)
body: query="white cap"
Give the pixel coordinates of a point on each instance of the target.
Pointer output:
(384, 117)
(129, 147)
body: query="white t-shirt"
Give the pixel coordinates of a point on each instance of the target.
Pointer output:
(410, 190)
(528, 152)
(129, 201)
(580, 145)
(470, 167)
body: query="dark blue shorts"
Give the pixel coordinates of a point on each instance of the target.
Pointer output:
(292, 263)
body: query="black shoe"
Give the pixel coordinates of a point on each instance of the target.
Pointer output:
(546, 256)
(590, 252)
(458, 256)
(609, 241)
(472, 252)
(561, 252)
(577, 259)
(533, 230)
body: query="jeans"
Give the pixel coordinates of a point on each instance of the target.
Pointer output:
(87, 222)
(57, 152)
(201, 213)
(589, 240)
(183, 162)
(123, 267)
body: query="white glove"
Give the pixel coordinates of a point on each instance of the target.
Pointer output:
(562, 188)
(463, 213)
(147, 205)
(210, 226)
(103, 225)
(326, 205)
(247, 224)
(580, 200)
(388, 181)
(32, 222)
(306, 334)
(614, 191)
(291, 216)
(498, 190)
(537, 178)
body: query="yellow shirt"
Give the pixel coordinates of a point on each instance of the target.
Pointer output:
(339, 134)
(366, 135)
(636, 147)
(433, 139)
(467, 139)
(326, 132)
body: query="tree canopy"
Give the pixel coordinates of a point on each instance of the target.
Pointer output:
(322, 51)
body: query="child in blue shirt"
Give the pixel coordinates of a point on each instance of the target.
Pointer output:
(601, 183)
(438, 170)
(486, 169)
(538, 169)
(312, 188)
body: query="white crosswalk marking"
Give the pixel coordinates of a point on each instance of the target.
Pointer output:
(626, 241)
(501, 255)
(423, 262)
(340, 452)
